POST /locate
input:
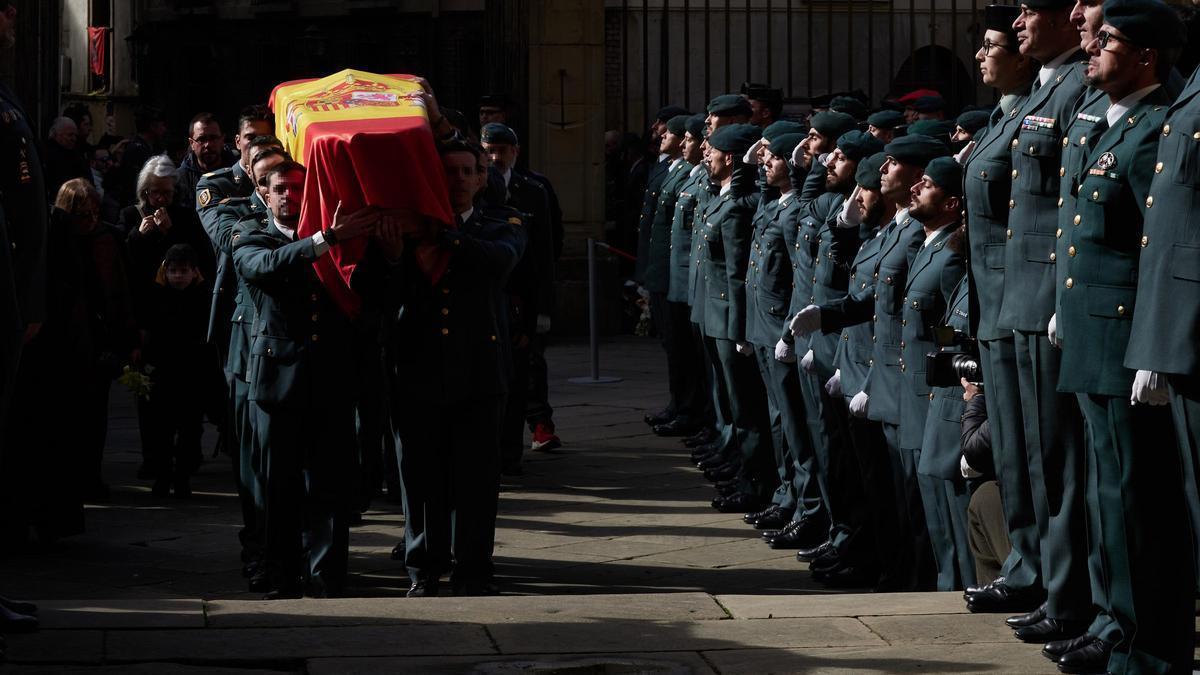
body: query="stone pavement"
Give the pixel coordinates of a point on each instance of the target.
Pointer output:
(607, 551)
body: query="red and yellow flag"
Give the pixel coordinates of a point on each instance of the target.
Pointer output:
(365, 140)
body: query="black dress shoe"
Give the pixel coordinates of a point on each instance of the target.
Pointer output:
(804, 535)
(1050, 630)
(723, 472)
(398, 551)
(424, 588)
(1027, 619)
(711, 461)
(705, 435)
(847, 576)
(811, 553)
(1054, 650)
(260, 582)
(972, 590)
(752, 518)
(680, 426)
(289, 592)
(775, 521)
(15, 622)
(1090, 658)
(826, 562)
(19, 607)
(661, 417)
(1003, 598)
(711, 447)
(739, 501)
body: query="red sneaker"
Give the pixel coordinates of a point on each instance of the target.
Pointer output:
(544, 439)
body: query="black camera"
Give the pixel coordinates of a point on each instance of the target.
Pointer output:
(957, 358)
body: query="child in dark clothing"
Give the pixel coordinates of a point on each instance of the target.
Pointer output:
(179, 360)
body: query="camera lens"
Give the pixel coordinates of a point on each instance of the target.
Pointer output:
(966, 367)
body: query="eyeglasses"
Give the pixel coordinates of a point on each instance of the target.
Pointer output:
(988, 45)
(1103, 37)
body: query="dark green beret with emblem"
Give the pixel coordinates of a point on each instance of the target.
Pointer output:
(1150, 24)
(776, 129)
(856, 145)
(974, 120)
(784, 144)
(729, 105)
(886, 119)
(946, 174)
(939, 129)
(695, 126)
(678, 124)
(849, 105)
(735, 138)
(667, 112)
(494, 132)
(869, 171)
(833, 124)
(916, 149)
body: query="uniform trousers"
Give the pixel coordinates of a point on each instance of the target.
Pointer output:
(1185, 410)
(249, 463)
(783, 496)
(308, 458)
(881, 520)
(450, 471)
(512, 430)
(837, 472)
(1138, 513)
(673, 321)
(1018, 467)
(537, 403)
(750, 441)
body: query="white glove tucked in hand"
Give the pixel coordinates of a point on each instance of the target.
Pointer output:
(784, 352)
(744, 348)
(851, 215)
(858, 404)
(543, 324)
(807, 362)
(834, 386)
(798, 155)
(1052, 331)
(1149, 387)
(807, 320)
(963, 154)
(966, 470)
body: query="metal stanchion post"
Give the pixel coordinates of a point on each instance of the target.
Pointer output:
(593, 323)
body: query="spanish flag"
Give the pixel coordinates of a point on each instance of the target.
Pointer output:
(365, 140)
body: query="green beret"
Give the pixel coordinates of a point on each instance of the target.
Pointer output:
(494, 132)
(665, 114)
(695, 126)
(762, 92)
(734, 138)
(928, 104)
(1151, 24)
(1000, 18)
(776, 129)
(916, 149)
(939, 129)
(886, 119)
(857, 145)
(849, 105)
(784, 145)
(729, 105)
(833, 124)
(974, 120)
(1048, 4)
(946, 174)
(678, 124)
(868, 174)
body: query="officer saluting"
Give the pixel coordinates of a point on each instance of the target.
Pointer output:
(1147, 578)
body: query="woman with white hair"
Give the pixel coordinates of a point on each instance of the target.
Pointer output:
(156, 223)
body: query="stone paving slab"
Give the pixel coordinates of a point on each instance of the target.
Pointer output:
(122, 613)
(674, 663)
(621, 636)
(988, 658)
(489, 611)
(140, 669)
(941, 629)
(58, 646)
(281, 645)
(852, 604)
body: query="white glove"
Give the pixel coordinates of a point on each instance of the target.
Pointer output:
(824, 158)
(963, 154)
(1149, 387)
(858, 404)
(807, 362)
(798, 155)
(966, 470)
(851, 215)
(751, 156)
(1052, 331)
(784, 352)
(834, 386)
(543, 324)
(744, 348)
(807, 320)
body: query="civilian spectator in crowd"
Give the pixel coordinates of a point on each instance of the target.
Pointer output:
(206, 153)
(174, 320)
(67, 369)
(146, 143)
(63, 158)
(100, 161)
(986, 527)
(79, 114)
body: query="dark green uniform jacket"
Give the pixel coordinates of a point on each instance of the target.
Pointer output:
(770, 275)
(681, 235)
(1099, 293)
(23, 195)
(853, 356)
(226, 215)
(654, 181)
(657, 275)
(211, 191)
(1166, 327)
(941, 448)
(1036, 165)
(727, 233)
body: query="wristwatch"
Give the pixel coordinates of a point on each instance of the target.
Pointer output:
(330, 237)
